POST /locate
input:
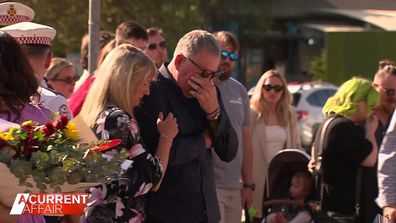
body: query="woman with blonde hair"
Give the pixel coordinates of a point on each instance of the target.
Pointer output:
(122, 81)
(274, 127)
(61, 76)
(77, 99)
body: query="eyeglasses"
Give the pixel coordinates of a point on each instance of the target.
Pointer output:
(232, 55)
(206, 73)
(67, 80)
(276, 88)
(154, 46)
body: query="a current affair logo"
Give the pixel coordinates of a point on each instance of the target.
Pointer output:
(49, 204)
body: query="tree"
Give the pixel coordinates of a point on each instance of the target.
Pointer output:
(176, 17)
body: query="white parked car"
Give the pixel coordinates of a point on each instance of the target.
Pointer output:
(308, 100)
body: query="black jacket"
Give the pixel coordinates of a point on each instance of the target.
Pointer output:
(187, 192)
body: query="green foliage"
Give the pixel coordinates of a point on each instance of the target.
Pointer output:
(317, 66)
(176, 17)
(51, 155)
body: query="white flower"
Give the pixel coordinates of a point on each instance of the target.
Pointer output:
(123, 120)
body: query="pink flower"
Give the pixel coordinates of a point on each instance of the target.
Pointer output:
(101, 128)
(137, 219)
(136, 150)
(133, 127)
(119, 207)
(97, 196)
(144, 188)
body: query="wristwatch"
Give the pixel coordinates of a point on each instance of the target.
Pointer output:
(251, 186)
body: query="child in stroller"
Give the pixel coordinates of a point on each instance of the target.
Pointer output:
(295, 209)
(288, 188)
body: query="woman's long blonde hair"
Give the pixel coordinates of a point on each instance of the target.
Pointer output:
(259, 106)
(123, 69)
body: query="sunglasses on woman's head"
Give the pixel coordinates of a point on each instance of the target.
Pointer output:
(277, 88)
(232, 55)
(154, 46)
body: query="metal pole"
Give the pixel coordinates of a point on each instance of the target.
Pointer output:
(93, 30)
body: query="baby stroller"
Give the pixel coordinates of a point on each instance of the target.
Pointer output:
(280, 172)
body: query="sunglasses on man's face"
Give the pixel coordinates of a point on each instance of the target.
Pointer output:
(154, 46)
(67, 80)
(232, 55)
(206, 73)
(276, 88)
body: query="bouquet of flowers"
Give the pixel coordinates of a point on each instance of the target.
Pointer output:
(51, 155)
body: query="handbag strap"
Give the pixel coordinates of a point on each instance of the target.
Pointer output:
(358, 191)
(318, 156)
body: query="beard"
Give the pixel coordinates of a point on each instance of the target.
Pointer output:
(226, 69)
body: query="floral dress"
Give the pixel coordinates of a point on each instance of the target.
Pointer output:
(123, 200)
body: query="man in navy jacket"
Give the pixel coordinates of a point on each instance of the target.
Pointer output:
(185, 88)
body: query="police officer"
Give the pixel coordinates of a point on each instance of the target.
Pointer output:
(36, 40)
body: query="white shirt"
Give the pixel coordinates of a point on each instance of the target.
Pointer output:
(56, 103)
(276, 139)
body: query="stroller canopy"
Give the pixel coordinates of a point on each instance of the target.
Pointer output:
(281, 169)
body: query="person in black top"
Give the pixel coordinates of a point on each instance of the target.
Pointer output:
(385, 83)
(123, 79)
(347, 146)
(185, 87)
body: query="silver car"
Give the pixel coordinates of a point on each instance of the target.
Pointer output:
(308, 100)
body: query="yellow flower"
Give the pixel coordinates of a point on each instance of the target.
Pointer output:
(6, 136)
(71, 131)
(27, 123)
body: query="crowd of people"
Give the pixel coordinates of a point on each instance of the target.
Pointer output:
(200, 146)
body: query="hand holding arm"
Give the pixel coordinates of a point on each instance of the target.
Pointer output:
(168, 129)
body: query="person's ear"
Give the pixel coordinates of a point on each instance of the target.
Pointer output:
(179, 61)
(48, 59)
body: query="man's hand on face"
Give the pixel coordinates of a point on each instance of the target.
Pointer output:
(204, 91)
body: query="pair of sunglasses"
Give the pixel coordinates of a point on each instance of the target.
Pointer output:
(67, 80)
(232, 55)
(206, 73)
(154, 46)
(276, 88)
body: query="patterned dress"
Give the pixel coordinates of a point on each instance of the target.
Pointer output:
(123, 200)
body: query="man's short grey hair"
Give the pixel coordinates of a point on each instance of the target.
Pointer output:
(196, 41)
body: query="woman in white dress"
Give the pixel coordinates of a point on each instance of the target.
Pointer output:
(274, 127)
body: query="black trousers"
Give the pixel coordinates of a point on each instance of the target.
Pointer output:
(334, 217)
